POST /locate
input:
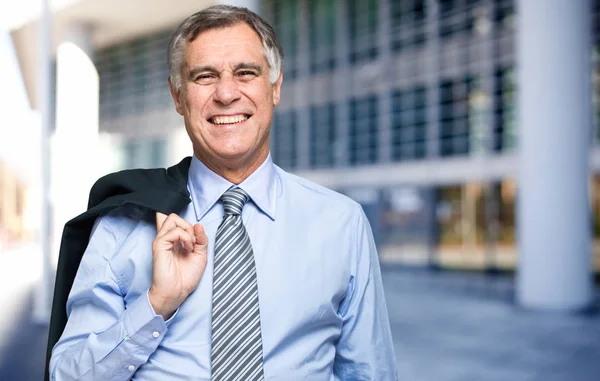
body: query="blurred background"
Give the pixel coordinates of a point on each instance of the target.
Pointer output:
(467, 129)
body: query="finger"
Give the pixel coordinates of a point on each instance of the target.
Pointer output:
(178, 234)
(200, 234)
(173, 221)
(160, 220)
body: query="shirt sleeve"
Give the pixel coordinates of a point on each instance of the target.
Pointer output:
(365, 348)
(104, 339)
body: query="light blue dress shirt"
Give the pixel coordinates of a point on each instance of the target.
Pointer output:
(322, 308)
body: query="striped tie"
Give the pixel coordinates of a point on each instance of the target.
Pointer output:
(236, 339)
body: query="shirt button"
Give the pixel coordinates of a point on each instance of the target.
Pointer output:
(131, 367)
(155, 334)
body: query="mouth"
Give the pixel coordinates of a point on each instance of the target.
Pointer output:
(229, 119)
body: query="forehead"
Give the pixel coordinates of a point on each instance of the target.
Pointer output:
(235, 42)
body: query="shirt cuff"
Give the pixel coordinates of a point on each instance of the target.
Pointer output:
(142, 325)
(168, 322)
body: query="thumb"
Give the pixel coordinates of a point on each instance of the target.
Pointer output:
(201, 238)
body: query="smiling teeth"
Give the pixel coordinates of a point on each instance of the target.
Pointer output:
(229, 119)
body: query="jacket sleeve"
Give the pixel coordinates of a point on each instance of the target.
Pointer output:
(104, 339)
(365, 348)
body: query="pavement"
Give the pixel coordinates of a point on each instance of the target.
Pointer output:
(446, 326)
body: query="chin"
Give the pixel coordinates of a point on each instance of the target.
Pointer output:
(232, 155)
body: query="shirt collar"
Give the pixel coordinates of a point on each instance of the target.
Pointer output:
(206, 187)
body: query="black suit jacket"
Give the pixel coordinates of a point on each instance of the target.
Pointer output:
(156, 189)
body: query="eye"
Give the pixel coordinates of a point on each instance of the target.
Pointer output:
(246, 74)
(205, 78)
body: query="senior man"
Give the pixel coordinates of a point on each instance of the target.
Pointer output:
(259, 274)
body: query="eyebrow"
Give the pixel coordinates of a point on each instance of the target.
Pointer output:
(209, 68)
(248, 65)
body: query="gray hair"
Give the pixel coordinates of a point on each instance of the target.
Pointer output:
(216, 17)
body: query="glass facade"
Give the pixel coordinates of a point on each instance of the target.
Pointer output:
(363, 20)
(285, 22)
(409, 124)
(454, 116)
(408, 24)
(284, 136)
(145, 153)
(133, 77)
(322, 23)
(363, 130)
(322, 136)
(505, 110)
(457, 16)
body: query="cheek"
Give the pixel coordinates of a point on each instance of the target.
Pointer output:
(195, 100)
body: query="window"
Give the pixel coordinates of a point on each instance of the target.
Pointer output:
(112, 78)
(408, 23)
(133, 76)
(409, 126)
(504, 112)
(283, 139)
(322, 35)
(504, 12)
(363, 130)
(362, 22)
(139, 73)
(285, 22)
(456, 16)
(454, 117)
(132, 153)
(322, 136)
(158, 153)
(145, 153)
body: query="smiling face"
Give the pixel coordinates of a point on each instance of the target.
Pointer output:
(226, 99)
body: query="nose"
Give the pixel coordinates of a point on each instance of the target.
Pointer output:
(227, 90)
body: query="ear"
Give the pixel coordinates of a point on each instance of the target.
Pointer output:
(277, 89)
(176, 94)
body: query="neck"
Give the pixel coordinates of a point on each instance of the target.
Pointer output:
(233, 171)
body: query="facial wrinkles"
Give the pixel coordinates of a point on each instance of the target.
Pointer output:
(217, 54)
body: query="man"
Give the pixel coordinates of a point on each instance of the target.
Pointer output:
(263, 275)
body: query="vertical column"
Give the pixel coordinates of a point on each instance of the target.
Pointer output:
(485, 29)
(554, 95)
(432, 79)
(43, 299)
(432, 82)
(342, 85)
(75, 143)
(384, 103)
(303, 92)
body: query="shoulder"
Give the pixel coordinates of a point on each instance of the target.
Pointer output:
(122, 221)
(314, 196)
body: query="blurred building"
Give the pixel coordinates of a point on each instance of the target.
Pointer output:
(407, 106)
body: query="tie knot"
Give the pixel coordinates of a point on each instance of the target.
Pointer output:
(234, 200)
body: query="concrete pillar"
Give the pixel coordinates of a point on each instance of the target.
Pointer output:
(554, 93)
(432, 79)
(302, 92)
(342, 85)
(74, 146)
(384, 88)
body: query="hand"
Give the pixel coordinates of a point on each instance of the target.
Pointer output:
(179, 256)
